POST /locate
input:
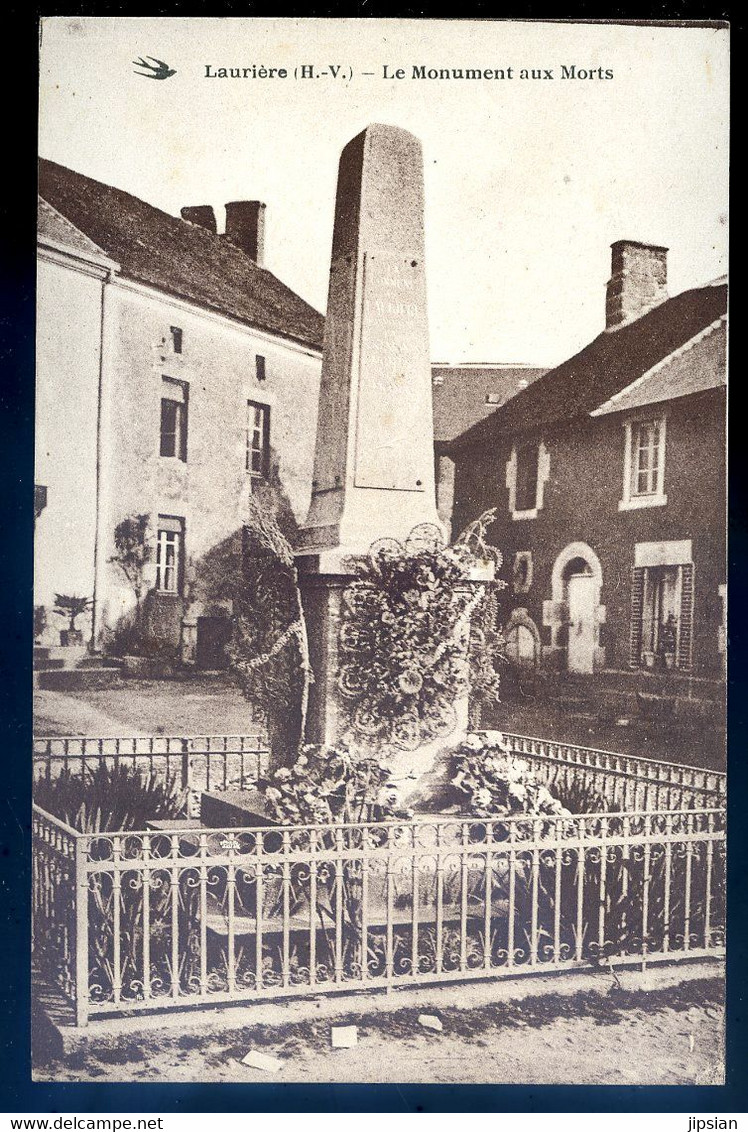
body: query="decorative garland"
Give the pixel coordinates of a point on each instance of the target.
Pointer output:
(403, 639)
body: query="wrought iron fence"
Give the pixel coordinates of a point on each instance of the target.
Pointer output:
(184, 915)
(191, 916)
(197, 762)
(216, 762)
(59, 953)
(622, 782)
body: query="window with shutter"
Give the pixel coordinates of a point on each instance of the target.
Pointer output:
(662, 617)
(685, 644)
(637, 598)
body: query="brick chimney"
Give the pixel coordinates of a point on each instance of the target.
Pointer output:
(638, 281)
(245, 227)
(201, 214)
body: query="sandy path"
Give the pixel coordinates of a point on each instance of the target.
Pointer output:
(667, 1046)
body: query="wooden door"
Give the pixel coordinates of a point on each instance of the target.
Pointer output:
(581, 652)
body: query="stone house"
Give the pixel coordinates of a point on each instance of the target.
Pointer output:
(464, 394)
(608, 473)
(175, 375)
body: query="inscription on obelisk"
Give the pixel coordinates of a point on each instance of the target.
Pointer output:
(374, 460)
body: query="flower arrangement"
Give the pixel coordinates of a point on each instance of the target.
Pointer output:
(490, 781)
(405, 658)
(332, 784)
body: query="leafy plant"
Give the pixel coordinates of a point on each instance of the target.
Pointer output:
(490, 781)
(269, 653)
(71, 606)
(110, 798)
(133, 552)
(580, 796)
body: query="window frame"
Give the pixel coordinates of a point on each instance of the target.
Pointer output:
(169, 533)
(527, 467)
(542, 472)
(181, 417)
(263, 432)
(632, 498)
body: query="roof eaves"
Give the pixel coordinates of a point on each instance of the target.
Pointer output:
(611, 405)
(101, 260)
(252, 324)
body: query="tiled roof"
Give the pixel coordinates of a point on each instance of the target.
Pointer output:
(178, 258)
(466, 394)
(698, 365)
(52, 226)
(609, 364)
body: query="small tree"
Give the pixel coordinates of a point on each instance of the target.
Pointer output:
(40, 621)
(134, 552)
(269, 652)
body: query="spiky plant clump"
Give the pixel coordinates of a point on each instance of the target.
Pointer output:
(110, 798)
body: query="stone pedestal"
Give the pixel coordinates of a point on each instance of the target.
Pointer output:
(322, 596)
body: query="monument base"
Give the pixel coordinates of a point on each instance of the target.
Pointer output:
(328, 718)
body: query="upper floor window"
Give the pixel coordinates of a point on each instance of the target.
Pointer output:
(260, 371)
(644, 464)
(174, 398)
(526, 490)
(176, 339)
(169, 554)
(258, 438)
(527, 471)
(646, 457)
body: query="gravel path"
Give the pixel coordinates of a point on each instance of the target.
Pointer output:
(666, 1037)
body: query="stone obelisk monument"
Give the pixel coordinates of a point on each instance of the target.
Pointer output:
(374, 460)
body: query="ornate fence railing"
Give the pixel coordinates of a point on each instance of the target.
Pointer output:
(189, 916)
(197, 762)
(215, 762)
(57, 878)
(185, 915)
(625, 782)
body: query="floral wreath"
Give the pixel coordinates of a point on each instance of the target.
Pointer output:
(403, 638)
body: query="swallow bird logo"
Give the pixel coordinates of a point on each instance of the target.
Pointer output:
(156, 69)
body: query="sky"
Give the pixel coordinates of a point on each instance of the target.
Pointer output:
(527, 181)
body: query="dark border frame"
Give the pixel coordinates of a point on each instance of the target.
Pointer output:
(17, 272)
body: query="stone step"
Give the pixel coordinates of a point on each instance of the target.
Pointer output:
(47, 663)
(75, 679)
(70, 655)
(100, 662)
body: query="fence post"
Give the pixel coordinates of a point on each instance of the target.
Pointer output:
(81, 932)
(186, 764)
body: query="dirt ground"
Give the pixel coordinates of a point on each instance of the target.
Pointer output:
(671, 1036)
(146, 707)
(201, 706)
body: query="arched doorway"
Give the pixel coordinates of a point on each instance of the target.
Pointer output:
(522, 640)
(576, 585)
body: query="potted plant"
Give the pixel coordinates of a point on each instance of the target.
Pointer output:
(71, 606)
